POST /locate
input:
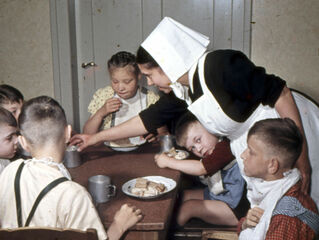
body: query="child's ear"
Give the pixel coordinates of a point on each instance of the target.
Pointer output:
(68, 131)
(24, 143)
(273, 166)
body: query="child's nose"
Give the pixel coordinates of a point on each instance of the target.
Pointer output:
(149, 82)
(243, 154)
(198, 148)
(15, 140)
(121, 86)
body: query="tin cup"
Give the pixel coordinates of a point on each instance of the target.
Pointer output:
(101, 189)
(72, 158)
(166, 142)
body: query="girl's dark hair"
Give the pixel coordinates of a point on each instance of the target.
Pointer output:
(6, 118)
(9, 94)
(143, 57)
(122, 59)
(282, 135)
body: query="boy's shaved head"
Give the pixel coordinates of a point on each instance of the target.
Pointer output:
(42, 120)
(281, 137)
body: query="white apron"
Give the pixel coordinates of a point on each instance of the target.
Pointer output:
(210, 114)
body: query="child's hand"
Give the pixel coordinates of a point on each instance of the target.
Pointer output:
(162, 160)
(112, 105)
(253, 217)
(124, 219)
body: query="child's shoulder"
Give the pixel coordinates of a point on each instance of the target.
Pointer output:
(108, 90)
(72, 190)
(152, 97)
(11, 167)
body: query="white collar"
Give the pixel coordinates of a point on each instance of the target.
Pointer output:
(49, 161)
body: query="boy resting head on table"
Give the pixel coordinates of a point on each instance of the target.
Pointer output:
(45, 133)
(8, 137)
(280, 210)
(223, 201)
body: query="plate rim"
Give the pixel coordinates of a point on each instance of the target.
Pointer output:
(148, 197)
(107, 143)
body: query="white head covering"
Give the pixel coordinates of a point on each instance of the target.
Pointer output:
(175, 47)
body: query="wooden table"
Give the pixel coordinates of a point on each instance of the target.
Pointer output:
(124, 166)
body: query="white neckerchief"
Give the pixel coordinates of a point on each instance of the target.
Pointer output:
(49, 161)
(266, 194)
(130, 107)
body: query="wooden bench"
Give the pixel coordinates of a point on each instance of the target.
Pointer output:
(198, 229)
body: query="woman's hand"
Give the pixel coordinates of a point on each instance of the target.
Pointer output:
(82, 141)
(149, 137)
(305, 170)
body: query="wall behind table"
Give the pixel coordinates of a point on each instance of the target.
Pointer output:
(25, 42)
(285, 40)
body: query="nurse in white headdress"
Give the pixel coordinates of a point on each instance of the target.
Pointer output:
(222, 88)
(233, 92)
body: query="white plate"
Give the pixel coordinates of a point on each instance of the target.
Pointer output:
(169, 183)
(121, 149)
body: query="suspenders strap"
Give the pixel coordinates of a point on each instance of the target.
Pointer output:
(41, 195)
(37, 201)
(17, 194)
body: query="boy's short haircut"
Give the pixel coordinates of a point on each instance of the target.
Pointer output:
(42, 120)
(123, 59)
(9, 94)
(282, 136)
(7, 119)
(182, 127)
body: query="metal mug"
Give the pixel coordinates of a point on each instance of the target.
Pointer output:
(101, 189)
(72, 158)
(166, 142)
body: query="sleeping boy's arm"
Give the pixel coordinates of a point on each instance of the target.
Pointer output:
(188, 166)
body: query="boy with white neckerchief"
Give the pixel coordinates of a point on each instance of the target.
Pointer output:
(279, 209)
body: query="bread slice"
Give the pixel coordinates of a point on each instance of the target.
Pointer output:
(141, 183)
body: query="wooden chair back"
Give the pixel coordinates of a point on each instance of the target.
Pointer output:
(36, 233)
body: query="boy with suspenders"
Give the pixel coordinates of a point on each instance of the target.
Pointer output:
(39, 192)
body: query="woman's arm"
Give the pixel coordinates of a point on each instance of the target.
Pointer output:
(130, 128)
(286, 107)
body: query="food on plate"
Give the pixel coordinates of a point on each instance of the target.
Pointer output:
(146, 188)
(121, 143)
(178, 154)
